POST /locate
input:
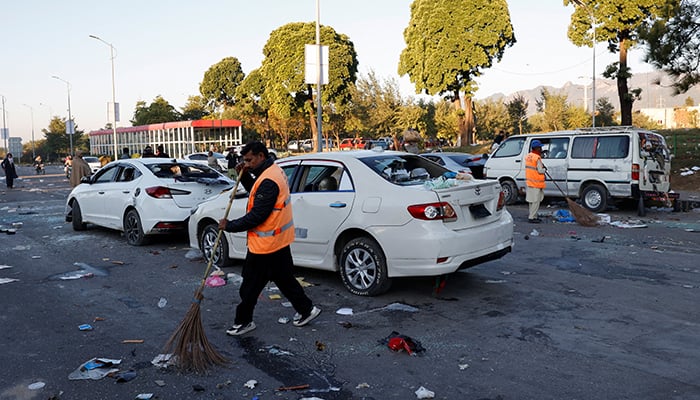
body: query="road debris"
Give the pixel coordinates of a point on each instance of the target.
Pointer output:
(423, 393)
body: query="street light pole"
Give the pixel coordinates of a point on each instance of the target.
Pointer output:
(31, 113)
(69, 123)
(114, 102)
(4, 125)
(319, 108)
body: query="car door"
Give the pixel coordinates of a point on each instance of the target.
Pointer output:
(318, 213)
(92, 200)
(119, 194)
(555, 158)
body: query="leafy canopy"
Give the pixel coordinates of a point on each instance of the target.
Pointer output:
(220, 82)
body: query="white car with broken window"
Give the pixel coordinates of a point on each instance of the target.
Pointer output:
(372, 216)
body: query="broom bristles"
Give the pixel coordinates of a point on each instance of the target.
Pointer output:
(583, 216)
(189, 345)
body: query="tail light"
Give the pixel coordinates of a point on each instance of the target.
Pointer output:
(501, 201)
(433, 211)
(162, 192)
(635, 172)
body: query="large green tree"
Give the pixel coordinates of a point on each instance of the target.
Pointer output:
(618, 23)
(449, 43)
(195, 108)
(57, 142)
(158, 111)
(517, 114)
(283, 70)
(220, 83)
(375, 106)
(491, 117)
(554, 112)
(673, 43)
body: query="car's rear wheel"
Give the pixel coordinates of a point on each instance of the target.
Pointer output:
(363, 268)
(510, 191)
(206, 244)
(78, 224)
(594, 197)
(133, 230)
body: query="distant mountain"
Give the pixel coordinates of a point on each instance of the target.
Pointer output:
(653, 95)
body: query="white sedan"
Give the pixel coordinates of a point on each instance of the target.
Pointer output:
(143, 196)
(203, 158)
(373, 216)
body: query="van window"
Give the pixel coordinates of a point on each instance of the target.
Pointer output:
(509, 148)
(601, 147)
(557, 148)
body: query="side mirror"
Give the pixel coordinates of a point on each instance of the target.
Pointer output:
(85, 179)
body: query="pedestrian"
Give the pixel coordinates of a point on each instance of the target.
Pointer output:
(534, 179)
(211, 161)
(270, 231)
(8, 165)
(147, 152)
(125, 154)
(104, 160)
(79, 169)
(160, 152)
(497, 141)
(233, 160)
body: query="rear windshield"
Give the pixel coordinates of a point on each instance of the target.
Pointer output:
(404, 169)
(652, 144)
(188, 172)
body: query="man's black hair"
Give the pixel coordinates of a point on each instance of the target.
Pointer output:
(256, 147)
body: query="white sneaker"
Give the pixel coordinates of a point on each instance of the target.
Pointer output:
(303, 320)
(237, 330)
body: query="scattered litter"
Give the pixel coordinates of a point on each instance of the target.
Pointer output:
(7, 280)
(144, 396)
(20, 248)
(287, 304)
(304, 283)
(98, 319)
(96, 368)
(320, 346)
(462, 367)
(345, 324)
(276, 351)
(311, 398)
(251, 384)
(5, 266)
(159, 382)
(234, 278)
(564, 216)
(163, 360)
(628, 224)
(162, 302)
(215, 281)
(363, 385)
(601, 239)
(400, 307)
(36, 257)
(198, 388)
(85, 327)
(132, 341)
(194, 254)
(423, 393)
(17, 223)
(283, 320)
(344, 311)
(397, 342)
(495, 281)
(36, 386)
(125, 376)
(534, 233)
(117, 262)
(275, 297)
(297, 387)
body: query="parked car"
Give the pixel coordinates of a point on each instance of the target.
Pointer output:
(597, 165)
(93, 162)
(293, 146)
(143, 196)
(460, 162)
(372, 216)
(202, 158)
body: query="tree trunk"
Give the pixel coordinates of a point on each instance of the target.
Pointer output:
(622, 89)
(466, 120)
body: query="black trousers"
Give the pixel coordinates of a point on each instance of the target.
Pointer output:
(258, 270)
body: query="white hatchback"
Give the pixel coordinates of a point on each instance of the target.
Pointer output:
(143, 196)
(373, 216)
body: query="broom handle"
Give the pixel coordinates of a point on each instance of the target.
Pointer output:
(218, 235)
(554, 182)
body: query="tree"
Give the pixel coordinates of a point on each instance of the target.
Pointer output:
(517, 114)
(449, 43)
(283, 71)
(375, 105)
(578, 117)
(491, 117)
(617, 23)
(554, 110)
(605, 112)
(158, 111)
(57, 142)
(196, 108)
(673, 43)
(252, 107)
(689, 102)
(447, 120)
(220, 82)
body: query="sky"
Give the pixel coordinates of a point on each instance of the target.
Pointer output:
(165, 47)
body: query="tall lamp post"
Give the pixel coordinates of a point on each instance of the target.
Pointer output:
(31, 113)
(114, 102)
(69, 123)
(4, 125)
(588, 8)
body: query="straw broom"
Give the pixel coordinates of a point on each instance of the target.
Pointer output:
(582, 215)
(189, 345)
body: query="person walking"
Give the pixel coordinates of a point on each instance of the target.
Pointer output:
(160, 152)
(8, 165)
(232, 159)
(211, 161)
(125, 154)
(534, 179)
(270, 231)
(79, 170)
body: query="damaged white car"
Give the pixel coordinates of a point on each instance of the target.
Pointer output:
(373, 216)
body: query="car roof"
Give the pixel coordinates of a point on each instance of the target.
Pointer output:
(343, 155)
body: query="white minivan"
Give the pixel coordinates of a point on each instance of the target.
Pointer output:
(594, 164)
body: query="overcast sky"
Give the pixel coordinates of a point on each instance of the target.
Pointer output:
(164, 48)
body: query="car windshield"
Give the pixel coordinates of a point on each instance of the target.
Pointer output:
(188, 172)
(404, 169)
(91, 159)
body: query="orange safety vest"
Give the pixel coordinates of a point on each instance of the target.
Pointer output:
(278, 229)
(532, 177)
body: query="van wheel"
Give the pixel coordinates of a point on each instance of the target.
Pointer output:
(510, 191)
(363, 268)
(594, 197)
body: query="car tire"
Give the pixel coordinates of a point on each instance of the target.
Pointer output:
(594, 197)
(206, 243)
(133, 230)
(363, 268)
(77, 217)
(510, 191)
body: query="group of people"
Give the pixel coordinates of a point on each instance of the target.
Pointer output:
(148, 152)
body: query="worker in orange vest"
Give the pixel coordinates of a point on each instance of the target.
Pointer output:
(534, 179)
(270, 228)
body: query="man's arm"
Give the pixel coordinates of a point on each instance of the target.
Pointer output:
(264, 203)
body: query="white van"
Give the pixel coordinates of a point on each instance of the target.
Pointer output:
(593, 164)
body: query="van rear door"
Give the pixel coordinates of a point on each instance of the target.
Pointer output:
(654, 163)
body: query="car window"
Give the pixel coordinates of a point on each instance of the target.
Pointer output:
(555, 148)
(128, 174)
(511, 147)
(183, 171)
(652, 144)
(435, 159)
(106, 175)
(600, 147)
(198, 157)
(404, 169)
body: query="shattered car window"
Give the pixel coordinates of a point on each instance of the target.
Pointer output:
(404, 169)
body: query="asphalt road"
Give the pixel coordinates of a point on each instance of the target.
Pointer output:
(572, 313)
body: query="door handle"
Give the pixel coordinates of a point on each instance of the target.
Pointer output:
(101, 192)
(338, 204)
(126, 191)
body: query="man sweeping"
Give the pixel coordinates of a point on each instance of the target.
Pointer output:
(270, 228)
(534, 179)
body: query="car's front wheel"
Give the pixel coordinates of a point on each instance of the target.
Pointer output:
(133, 230)
(77, 215)
(206, 244)
(363, 268)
